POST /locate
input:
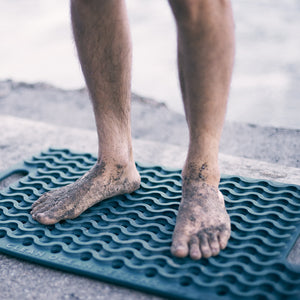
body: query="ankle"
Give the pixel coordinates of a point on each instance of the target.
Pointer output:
(121, 156)
(121, 163)
(201, 171)
(202, 159)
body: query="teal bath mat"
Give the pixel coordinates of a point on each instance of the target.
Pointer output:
(126, 239)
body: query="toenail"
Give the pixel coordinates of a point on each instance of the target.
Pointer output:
(206, 254)
(178, 249)
(195, 255)
(182, 248)
(214, 252)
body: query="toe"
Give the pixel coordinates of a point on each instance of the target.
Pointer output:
(180, 250)
(214, 245)
(204, 246)
(195, 248)
(43, 218)
(40, 201)
(223, 239)
(179, 245)
(40, 209)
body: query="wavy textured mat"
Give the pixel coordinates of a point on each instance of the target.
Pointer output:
(126, 239)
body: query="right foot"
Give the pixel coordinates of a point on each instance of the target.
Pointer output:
(101, 182)
(202, 225)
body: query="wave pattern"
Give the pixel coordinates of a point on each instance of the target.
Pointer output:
(126, 239)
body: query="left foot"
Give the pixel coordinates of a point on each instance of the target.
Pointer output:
(203, 225)
(101, 182)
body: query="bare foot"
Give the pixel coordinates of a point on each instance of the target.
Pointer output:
(101, 182)
(203, 225)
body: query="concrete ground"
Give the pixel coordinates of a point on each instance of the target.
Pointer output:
(150, 121)
(36, 117)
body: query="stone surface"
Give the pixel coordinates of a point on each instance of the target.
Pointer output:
(23, 280)
(150, 121)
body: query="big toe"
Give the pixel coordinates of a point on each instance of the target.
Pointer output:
(180, 246)
(180, 250)
(44, 218)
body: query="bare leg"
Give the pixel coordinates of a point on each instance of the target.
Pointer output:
(205, 58)
(103, 42)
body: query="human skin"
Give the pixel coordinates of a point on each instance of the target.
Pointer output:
(205, 35)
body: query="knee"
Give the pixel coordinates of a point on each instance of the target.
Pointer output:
(190, 12)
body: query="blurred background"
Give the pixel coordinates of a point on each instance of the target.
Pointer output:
(37, 46)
